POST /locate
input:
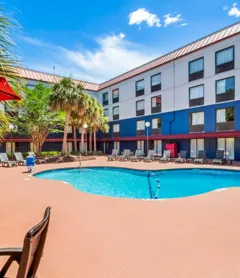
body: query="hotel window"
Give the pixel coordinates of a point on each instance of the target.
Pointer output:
(140, 108)
(196, 69)
(197, 122)
(225, 89)
(196, 145)
(156, 126)
(116, 113)
(116, 145)
(225, 119)
(116, 130)
(140, 146)
(140, 127)
(115, 95)
(70, 129)
(225, 59)
(196, 96)
(156, 82)
(140, 88)
(105, 99)
(158, 147)
(226, 145)
(106, 112)
(156, 104)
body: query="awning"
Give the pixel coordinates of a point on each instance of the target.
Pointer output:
(6, 92)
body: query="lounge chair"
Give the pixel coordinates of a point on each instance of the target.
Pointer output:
(19, 159)
(182, 157)
(137, 156)
(29, 256)
(201, 157)
(113, 156)
(124, 156)
(38, 159)
(150, 156)
(219, 157)
(5, 161)
(166, 156)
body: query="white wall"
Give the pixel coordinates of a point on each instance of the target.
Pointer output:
(127, 99)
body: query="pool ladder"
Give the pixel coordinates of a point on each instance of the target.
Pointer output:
(150, 186)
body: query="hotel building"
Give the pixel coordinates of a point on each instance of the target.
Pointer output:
(190, 96)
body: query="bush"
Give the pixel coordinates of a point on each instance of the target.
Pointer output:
(52, 153)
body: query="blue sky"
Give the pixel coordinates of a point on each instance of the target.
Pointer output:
(97, 40)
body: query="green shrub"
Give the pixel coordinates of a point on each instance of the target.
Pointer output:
(52, 153)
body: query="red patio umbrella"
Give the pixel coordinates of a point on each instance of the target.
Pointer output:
(6, 92)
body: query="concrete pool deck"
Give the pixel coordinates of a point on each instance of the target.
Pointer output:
(93, 236)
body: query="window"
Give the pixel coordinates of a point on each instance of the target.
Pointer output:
(225, 119)
(70, 129)
(106, 112)
(156, 106)
(196, 145)
(140, 127)
(197, 122)
(156, 82)
(105, 99)
(225, 89)
(196, 69)
(115, 95)
(116, 128)
(227, 145)
(196, 96)
(140, 108)
(225, 59)
(116, 145)
(140, 146)
(140, 88)
(156, 126)
(158, 147)
(116, 113)
(16, 149)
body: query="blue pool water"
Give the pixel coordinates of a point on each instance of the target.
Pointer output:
(118, 182)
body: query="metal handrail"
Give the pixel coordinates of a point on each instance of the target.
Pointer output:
(158, 184)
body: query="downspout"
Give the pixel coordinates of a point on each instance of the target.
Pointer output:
(174, 112)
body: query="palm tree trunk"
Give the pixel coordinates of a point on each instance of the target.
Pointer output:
(86, 141)
(95, 141)
(82, 139)
(90, 141)
(75, 137)
(64, 145)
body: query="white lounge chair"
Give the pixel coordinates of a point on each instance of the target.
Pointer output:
(219, 157)
(201, 157)
(124, 156)
(166, 156)
(5, 161)
(38, 159)
(137, 156)
(113, 156)
(182, 157)
(19, 158)
(150, 156)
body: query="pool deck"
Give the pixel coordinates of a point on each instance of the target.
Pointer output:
(102, 237)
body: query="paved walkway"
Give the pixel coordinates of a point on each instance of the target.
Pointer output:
(101, 237)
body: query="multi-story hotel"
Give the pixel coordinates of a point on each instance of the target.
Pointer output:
(190, 96)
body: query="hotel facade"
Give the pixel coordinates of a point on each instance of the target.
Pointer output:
(190, 97)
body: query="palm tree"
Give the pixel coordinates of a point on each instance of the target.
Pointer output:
(65, 97)
(74, 120)
(3, 124)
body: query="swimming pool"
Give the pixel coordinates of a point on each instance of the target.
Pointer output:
(127, 183)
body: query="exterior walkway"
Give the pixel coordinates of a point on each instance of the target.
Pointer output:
(101, 237)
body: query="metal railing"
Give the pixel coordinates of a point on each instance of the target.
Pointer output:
(152, 195)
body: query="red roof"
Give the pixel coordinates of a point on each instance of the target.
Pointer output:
(6, 92)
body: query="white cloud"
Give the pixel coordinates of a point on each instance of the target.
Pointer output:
(225, 7)
(234, 11)
(112, 56)
(168, 19)
(142, 15)
(183, 24)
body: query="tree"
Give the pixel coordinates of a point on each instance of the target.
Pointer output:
(3, 124)
(66, 97)
(36, 118)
